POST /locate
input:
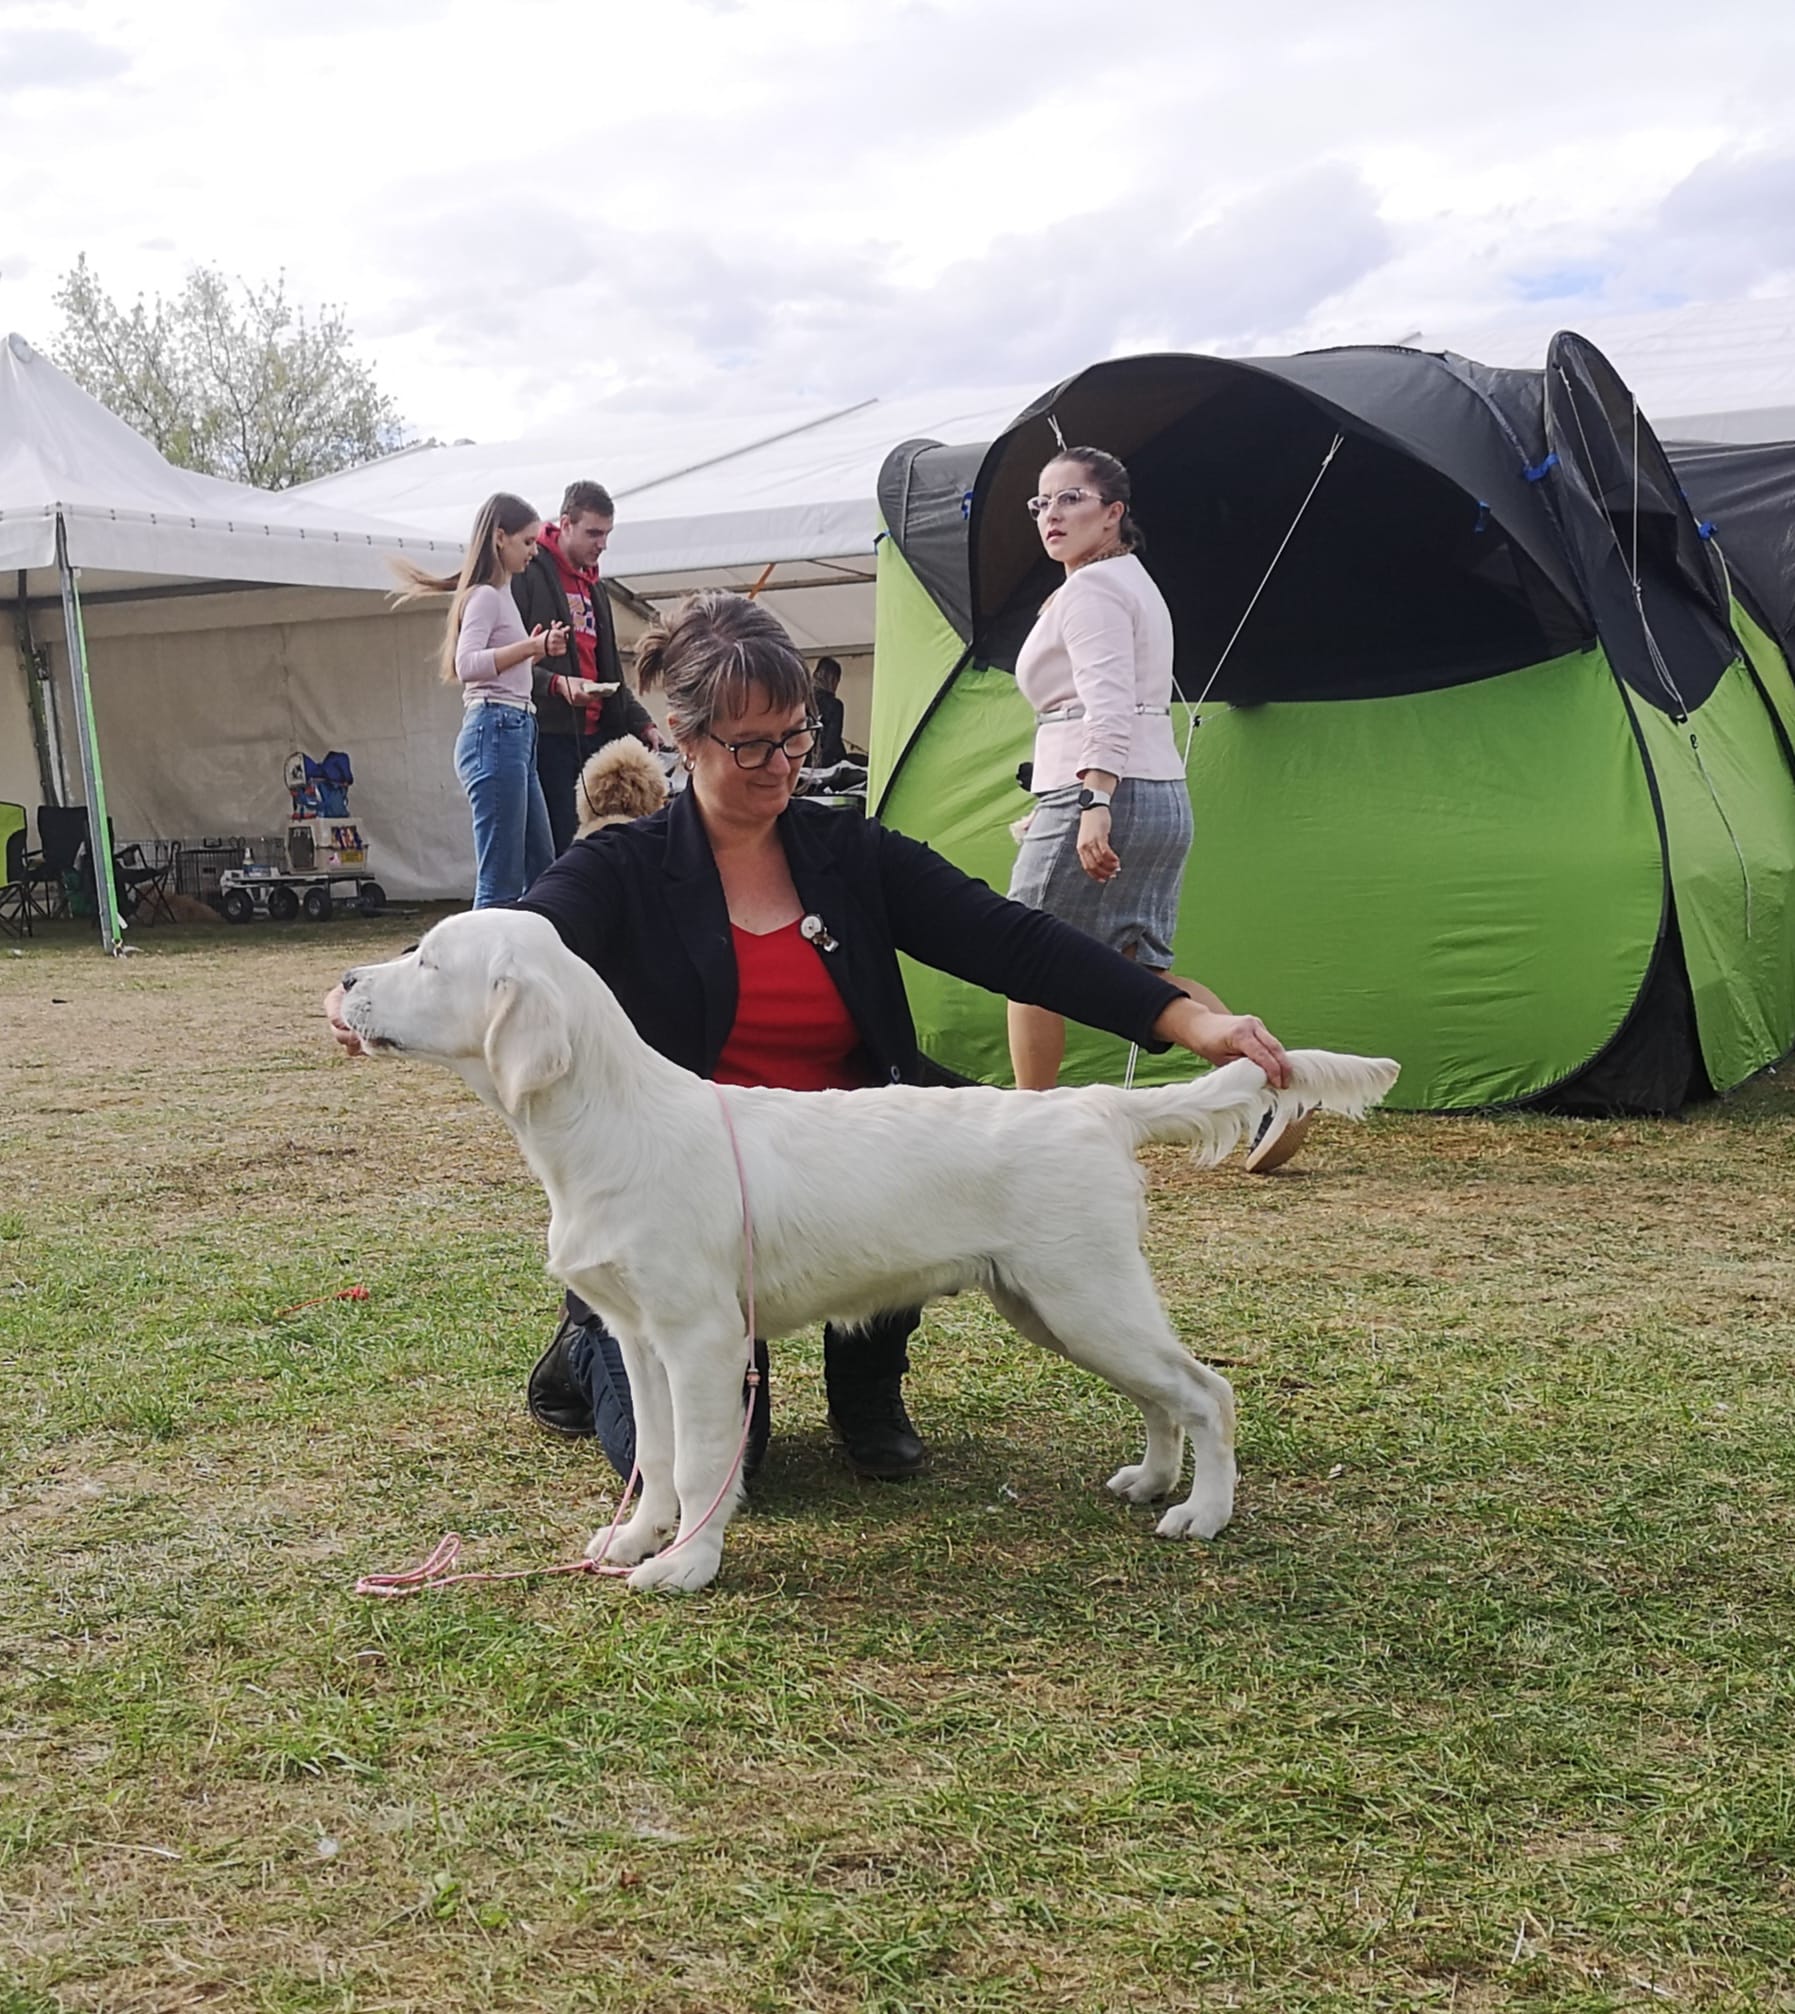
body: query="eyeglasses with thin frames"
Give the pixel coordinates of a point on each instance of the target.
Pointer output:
(1060, 500)
(757, 754)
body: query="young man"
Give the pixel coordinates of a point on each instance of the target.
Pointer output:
(830, 747)
(575, 714)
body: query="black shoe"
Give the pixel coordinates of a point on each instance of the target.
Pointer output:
(874, 1430)
(557, 1397)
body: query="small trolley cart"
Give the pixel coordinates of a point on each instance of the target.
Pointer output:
(326, 855)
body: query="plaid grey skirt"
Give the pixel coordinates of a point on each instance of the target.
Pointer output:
(1150, 829)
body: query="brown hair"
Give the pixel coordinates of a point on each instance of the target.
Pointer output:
(502, 512)
(717, 653)
(583, 496)
(1110, 480)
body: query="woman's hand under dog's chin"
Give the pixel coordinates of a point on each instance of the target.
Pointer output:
(346, 1036)
(1220, 1038)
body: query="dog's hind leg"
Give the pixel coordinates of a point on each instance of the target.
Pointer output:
(1117, 1328)
(651, 1524)
(704, 1382)
(1156, 1474)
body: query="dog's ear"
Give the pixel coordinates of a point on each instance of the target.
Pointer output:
(527, 1043)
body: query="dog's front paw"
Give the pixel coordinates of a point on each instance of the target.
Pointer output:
(1197, 1517)
(628, 1544)
(684, 1572)
(1138, 1484)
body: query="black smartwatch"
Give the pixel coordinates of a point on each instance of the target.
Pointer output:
(1095, 800)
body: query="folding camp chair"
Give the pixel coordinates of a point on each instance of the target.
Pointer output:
(61, 834)
(15, 910)
(143, 884)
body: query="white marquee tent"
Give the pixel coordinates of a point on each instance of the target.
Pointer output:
(228, 626)
(222, 627)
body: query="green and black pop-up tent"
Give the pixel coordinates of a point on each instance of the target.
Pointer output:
(1491, 772)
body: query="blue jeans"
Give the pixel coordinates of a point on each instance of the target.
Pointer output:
(495, 758)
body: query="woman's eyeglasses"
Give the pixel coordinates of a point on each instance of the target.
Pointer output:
(757, 754)
(1060, 500)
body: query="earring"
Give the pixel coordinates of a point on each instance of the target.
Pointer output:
(686, 763)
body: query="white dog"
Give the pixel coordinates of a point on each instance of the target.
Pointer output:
(861, 1201)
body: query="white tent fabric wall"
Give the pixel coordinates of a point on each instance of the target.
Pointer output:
(199, 701)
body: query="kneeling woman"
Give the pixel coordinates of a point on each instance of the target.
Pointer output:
(754, 939)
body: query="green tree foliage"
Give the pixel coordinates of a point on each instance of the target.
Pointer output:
(228, 378)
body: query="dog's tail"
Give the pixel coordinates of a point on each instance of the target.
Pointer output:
(1215, 1113)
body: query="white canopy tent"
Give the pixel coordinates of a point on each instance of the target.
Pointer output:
(786, 503)
(119, 567)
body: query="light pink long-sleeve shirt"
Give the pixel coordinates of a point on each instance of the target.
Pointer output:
(489, 621)
(1103, 643)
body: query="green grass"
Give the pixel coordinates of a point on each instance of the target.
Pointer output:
(1485, 1700)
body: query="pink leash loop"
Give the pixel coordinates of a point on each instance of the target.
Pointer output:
(437, 1570)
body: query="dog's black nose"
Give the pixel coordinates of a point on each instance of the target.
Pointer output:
(349, 981)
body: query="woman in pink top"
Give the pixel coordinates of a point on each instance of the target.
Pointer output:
(1108, 776)
(486, 649)
(1108, 773)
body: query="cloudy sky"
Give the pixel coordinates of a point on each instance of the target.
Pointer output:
(531, 210)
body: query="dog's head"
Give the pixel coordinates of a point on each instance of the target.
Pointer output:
(622, 781)
(485, 993)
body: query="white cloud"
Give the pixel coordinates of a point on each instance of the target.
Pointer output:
(740, 202)
(36, 58)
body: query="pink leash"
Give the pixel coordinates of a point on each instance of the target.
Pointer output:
(438, 1569)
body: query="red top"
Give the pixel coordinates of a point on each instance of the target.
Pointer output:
(791, 1030)
(579, 584)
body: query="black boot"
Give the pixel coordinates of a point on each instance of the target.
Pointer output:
(863, 1374)
(874, 1430)
(559, 1395)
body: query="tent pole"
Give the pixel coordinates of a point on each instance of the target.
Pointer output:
(40, 696)
(99, 831)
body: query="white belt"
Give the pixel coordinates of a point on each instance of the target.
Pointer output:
(1074, 710)
(498, 699)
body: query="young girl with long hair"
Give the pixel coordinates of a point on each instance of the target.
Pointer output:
(487, 650)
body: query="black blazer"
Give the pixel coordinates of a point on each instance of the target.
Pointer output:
(541, 598)
(643, 905)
